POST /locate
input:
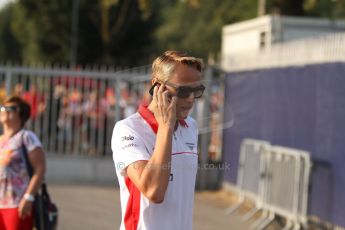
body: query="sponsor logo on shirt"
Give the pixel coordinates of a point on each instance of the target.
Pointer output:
(127, 138)
(128, 146)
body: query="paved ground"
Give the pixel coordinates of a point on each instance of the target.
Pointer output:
(85, 207)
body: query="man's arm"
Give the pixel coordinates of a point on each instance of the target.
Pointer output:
(152, 177)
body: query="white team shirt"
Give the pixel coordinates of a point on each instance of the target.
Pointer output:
(134, 140)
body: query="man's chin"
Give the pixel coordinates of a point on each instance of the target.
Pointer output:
(182, 116)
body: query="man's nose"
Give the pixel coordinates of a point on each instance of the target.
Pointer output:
(191, 97)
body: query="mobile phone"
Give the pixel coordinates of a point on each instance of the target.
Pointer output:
(153, 86)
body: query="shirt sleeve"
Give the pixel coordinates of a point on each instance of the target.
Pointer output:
(31, 141)
(128, 147)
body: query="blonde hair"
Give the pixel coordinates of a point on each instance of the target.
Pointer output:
(164, 65)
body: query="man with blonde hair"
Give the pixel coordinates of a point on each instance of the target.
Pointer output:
(155, 149)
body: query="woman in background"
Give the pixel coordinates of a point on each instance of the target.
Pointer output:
(17, 188)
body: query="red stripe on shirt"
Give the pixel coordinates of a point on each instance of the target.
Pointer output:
(184, 153)
(133, 206)
(148, 117)
(151, 120)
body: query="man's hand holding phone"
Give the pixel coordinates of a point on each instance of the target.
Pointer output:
(164, 106)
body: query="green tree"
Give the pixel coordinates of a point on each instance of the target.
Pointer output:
(285, 7)
(42, 28)
(131, 32)
(196, 25)
(9, 46)
(333, 9)
(120, 31)
(110, 31)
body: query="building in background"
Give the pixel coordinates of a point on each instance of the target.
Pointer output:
(262, 32)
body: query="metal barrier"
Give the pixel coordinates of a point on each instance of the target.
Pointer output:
(286, 183)
(74, 111)
(252, 167)
(278, 183)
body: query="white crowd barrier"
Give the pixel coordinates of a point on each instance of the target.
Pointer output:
(250, 174)
(276, 179)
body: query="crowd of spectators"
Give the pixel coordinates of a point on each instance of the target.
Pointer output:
(78, 116)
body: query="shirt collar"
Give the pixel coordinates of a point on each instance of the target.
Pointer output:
(151, 120)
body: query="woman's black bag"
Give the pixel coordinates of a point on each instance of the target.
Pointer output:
(45, 211)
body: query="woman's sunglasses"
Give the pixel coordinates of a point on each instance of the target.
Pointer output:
(11, 108)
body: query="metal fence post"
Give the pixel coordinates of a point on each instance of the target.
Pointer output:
(8, 82)
(205, 137)
(118, 98)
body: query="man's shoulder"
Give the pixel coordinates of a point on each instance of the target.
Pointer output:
(190, 119)
(133, 122)
(191, 122)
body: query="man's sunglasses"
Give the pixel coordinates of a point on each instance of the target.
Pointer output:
(185, 91)
(11, 108)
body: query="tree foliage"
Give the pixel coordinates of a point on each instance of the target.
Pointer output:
(130, 32)
(108, 30)
(333, 9)
(285, 7)
(196, 25)
(9, 46)
(41, 28)
(119, 31)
